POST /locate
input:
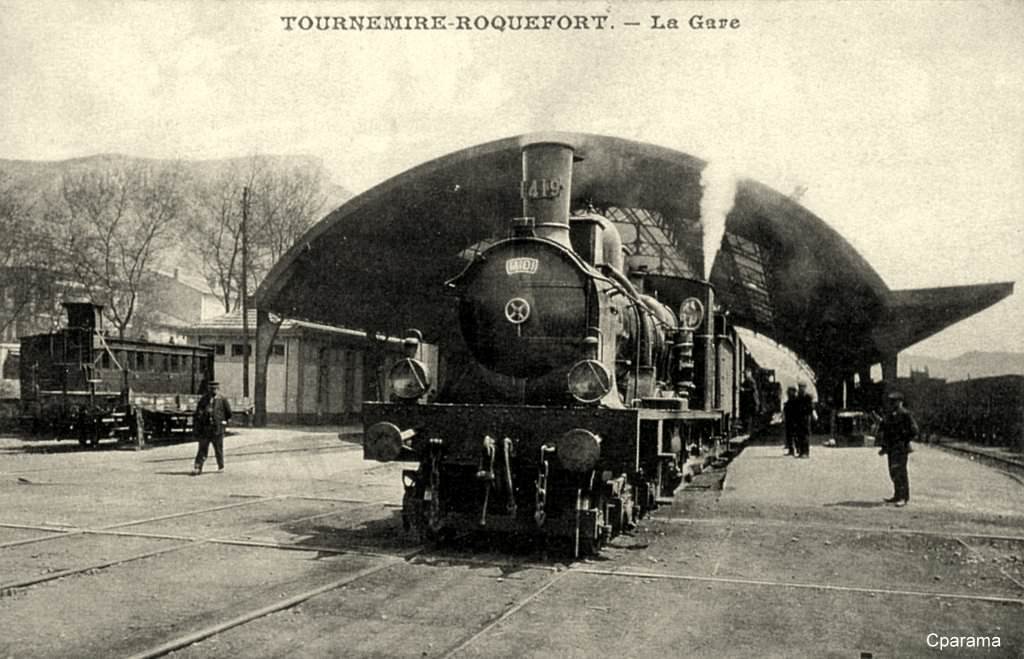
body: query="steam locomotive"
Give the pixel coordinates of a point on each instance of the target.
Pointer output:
(583, 381)
(78, 383)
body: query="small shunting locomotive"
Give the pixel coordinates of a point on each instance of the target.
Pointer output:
(581, 383)
(79, 383)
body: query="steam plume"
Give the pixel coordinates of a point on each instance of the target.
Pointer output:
(719, 194)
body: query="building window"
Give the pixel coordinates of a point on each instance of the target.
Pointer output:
(277, 350)
(237, 350)
(12, 366)
(218, 348)
(105, 360)
(174, 363)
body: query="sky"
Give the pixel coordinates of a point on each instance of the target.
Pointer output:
(903, 121)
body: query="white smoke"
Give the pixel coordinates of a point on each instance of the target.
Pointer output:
(718, 182)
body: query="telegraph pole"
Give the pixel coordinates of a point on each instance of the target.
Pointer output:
(245, 292)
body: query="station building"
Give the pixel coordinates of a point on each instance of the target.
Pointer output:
(315, 373)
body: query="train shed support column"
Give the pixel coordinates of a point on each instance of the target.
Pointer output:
(266, 331)
(889, 370)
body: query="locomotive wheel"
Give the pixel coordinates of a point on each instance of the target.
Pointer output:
(583, 544)
(590, 547)
(440, 537)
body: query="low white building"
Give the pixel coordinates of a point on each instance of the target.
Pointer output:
(316, 374)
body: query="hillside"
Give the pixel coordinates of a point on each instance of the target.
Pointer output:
(974, 364)
(41, 174)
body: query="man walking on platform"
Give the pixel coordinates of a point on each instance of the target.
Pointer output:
(212, 415)
(897, 430)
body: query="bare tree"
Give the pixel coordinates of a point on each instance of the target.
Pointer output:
(286, 203)
(285, 200)
(29, 272)
(213, 232)
(118, 222)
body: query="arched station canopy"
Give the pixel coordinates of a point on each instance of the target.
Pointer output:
(379, 262)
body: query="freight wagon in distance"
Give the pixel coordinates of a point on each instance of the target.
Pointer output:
(79, 383)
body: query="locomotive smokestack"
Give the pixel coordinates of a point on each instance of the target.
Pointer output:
(547, 189)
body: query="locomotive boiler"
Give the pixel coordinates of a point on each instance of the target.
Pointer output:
(580, 384)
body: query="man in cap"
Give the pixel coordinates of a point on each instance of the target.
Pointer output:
(212, 414)
(897, 430)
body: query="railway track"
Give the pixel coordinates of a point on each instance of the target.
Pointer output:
(373, 557)
(326, 445)
(417, 555)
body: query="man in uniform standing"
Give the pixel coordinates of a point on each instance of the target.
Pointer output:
(897, 430)
(212, 415)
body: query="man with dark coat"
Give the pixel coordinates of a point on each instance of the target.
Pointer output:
(789, 419)
(212, 415)
(897, 430)
(803, 410)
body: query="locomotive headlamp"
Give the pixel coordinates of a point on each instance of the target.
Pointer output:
(589, 381)
(578, 450)
(409, 379)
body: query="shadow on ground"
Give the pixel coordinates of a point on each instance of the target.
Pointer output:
(855, 504)
(507, 551)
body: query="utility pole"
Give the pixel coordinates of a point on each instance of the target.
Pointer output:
(245, 292)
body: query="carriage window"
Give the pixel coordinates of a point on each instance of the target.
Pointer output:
(12, 366)
(174, 363)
